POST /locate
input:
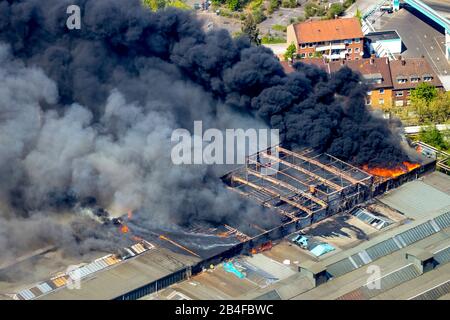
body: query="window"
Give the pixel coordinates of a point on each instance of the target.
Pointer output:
(369, 93)
(399, 103)
(349, 50)
(303, 45)
(357, 40)
(402, 80)
(310, 54)
(356, 50)
(311, 45)
(356, 58)
(349, 41)
(414, 79)
(381, 91)
(408, 92)
(399, 94)
(368, 101)
(381, 101)
(427, 79)
(302, 55)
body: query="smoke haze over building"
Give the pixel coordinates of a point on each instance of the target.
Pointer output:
(87, 115)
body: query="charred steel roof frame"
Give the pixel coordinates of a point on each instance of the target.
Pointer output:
(302, 184)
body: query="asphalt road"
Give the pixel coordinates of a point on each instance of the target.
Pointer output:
(419, 38)
(441, 6)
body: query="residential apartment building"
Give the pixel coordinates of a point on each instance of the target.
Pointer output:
(331, 39)
(391, 82)
(377, 73)
(407, 74)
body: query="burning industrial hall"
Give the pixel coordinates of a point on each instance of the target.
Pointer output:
(93, 207)
(296, 190)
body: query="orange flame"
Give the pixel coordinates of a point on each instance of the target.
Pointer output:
(224, 234)
(392, 172)
(124, 229)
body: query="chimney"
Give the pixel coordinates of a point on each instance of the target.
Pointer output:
(372, 59)
(403, 62)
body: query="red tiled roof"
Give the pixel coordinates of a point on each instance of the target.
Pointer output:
(412, 67)
(287, 67)
(369, 68)
(326, 30)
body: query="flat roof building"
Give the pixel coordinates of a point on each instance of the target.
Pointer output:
(333, 39)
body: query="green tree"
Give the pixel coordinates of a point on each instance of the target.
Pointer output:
(424, 91)
(359, 15)
(434, 137)
(250, 30)
(439, 108)
(258, 15)
(289, 3)
(313, 9)
(234, 5)
(155, 4)
(336, 9)
(273, 5)
(291, 51)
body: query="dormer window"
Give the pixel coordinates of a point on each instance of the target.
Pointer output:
(402, 79)
(427, 77)
(414, 78)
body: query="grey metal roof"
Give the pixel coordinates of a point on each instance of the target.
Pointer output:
(383, 35)
(443, 220)
(442, 256)
(386, 247)
(385, 283)
(416, 199)
(341, 267)
(434, 293)
(271, 295)
(382, 249)
(417, 233)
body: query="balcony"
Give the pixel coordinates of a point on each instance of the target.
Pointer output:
(335, 55)
(332, 47)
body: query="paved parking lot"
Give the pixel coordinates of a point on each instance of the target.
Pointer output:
(419, 38)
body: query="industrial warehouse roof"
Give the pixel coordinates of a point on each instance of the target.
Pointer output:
(326, 30)
(426, 236)
(127, 276)
(383, 35)
(416, 199)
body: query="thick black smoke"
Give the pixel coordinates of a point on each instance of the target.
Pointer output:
(89, 113)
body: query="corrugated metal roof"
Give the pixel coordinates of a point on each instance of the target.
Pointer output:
(386, 283)
(434, 293)
(81, 272)
(442, 256)
(443, 220)
(386, 247)
(271, 295)
(417, 233)
(416, 199)
(340, 268)
(382, 249)
(44, 287)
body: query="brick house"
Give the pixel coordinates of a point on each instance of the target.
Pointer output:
(407, 74)
(333, 39)
(376, 72)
